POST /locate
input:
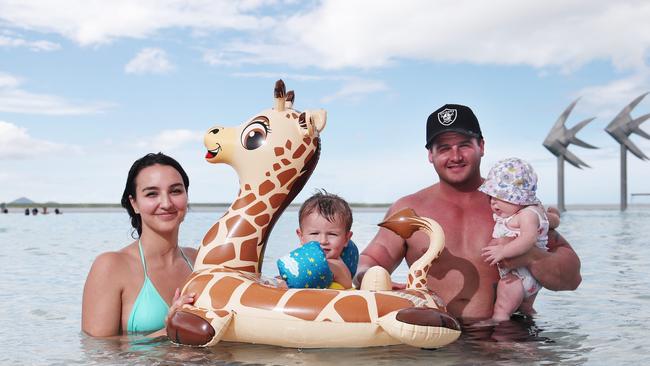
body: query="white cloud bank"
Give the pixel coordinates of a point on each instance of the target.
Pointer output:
(149, 61)
(91, 22)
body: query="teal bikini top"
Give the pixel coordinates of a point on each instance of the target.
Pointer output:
(149, 309)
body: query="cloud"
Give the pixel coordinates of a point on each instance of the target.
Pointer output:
(356, 89)
(15, 100)
(335, 34)
(15, 143)
(42, 45)
(332, 35)
(608, 100)
(93, 22)
(168, 140)
(149, 61)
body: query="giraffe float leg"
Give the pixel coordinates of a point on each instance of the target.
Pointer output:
(191, 326)
(421, 327)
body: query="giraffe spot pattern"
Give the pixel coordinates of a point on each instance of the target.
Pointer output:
(197, 284)
(220, 254)
(286, 175)
(288, 144)
(299, 151)
(261, 297)
(308, 304)
(251, 269)
(285, 162)
(388, 303)
(276, 166)
(262, 220)
(278, 151)
(211, 234)
(277, 199)
(239, 227)
(247, 187)
(256, 208)
(266, 187)
(248, 251)
(307, 140)
(244, 201)
(222, 290)
(353, 309)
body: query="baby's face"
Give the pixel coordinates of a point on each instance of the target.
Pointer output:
(332, 236)
(502, 208)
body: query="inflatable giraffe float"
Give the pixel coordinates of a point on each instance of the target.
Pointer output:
(274, 153)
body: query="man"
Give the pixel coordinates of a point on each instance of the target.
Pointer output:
(460, 275)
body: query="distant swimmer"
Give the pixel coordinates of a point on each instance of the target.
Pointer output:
(57, 211)
(34, 211)
(26, 212)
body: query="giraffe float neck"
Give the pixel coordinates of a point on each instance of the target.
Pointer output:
(238, 239)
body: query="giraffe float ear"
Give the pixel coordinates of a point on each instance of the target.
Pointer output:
(318, 119)
(312, 122)
(290, 97)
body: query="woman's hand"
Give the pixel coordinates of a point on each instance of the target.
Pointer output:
(178, 302)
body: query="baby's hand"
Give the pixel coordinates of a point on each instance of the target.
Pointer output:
(178, 302)
(492, 254)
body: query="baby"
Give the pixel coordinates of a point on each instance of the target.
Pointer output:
(324, 222)
(511, 185)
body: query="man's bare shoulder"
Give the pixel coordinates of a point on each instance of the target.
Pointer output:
(415, 200)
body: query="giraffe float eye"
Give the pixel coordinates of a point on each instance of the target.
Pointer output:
(254, 135)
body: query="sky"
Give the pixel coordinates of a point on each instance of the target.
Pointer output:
(88, 86)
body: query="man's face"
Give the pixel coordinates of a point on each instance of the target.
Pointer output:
(456, 157)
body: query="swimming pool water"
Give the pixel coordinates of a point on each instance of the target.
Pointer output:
(44, 260)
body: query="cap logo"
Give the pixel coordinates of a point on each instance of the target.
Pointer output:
(447, 116)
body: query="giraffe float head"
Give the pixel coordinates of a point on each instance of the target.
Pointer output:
(273, 153)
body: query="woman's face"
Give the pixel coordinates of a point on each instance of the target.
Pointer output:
(160, 199)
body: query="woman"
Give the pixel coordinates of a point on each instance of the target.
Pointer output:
(129, 290)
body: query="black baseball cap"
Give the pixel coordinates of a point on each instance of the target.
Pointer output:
(452, 118)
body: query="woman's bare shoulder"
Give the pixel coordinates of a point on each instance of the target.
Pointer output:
(114, 263)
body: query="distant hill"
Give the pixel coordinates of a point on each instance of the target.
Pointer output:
(22, 201)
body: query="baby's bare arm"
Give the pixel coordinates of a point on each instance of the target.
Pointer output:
(528, 223)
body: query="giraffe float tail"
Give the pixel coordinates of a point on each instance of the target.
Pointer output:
(406, 222)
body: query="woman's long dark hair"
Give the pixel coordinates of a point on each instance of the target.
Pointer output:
(129, 190)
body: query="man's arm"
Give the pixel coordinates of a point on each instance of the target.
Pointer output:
(557, 269)
(386, 249)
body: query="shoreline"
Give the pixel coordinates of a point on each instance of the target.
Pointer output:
(212, 207)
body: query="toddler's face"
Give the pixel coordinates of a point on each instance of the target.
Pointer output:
(502, 208)
(332, 236)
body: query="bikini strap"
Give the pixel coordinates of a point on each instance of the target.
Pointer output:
(186, 260)
(144, 263)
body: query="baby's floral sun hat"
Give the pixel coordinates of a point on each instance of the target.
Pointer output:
(512, 180)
